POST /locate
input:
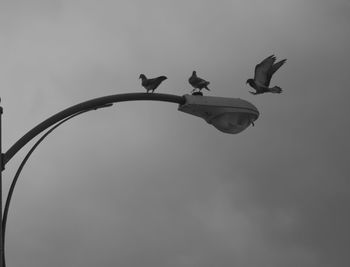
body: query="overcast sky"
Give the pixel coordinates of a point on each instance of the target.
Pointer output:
(141, 184)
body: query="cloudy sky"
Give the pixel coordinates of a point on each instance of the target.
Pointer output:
(141, 184)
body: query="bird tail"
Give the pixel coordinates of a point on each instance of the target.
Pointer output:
(275, 90)
(206, 85)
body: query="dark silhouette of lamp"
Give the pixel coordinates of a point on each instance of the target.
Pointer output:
(229, 115)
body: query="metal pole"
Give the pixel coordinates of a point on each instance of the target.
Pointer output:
(1, 169)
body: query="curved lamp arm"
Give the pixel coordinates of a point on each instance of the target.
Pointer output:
(90, 104)
(24, 161)
(19, 170)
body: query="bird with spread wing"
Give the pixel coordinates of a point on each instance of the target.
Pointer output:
(197, 82)
(151, 84)
(263, 74)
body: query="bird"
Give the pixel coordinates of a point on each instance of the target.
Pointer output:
(198, 83)
(263, 74)
(151, 84)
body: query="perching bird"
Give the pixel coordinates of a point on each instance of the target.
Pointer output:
(198, 83)
(151, 84)
(263, 74)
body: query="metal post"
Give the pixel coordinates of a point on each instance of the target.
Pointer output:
(1, 169)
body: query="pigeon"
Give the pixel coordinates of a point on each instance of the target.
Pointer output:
(263, 74)
(151, 84)
(198, 83)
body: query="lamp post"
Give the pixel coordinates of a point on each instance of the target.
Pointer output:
(229, 115)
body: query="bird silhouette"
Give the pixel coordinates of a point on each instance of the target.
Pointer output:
(151, 84)
(197, 82)
(263, 74)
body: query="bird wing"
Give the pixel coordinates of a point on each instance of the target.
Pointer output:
(262, 71)
(155, 82)
(277, 65)
(201, 81)
(203, 84)
(274, 68)
(198, 82)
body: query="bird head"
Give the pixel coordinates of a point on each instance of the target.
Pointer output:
(250, 82)
(162, 78)
(142, 76)
(194, 73)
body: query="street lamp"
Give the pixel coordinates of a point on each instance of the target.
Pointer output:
(229, 115)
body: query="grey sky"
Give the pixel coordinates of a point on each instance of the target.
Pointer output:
(140, 184)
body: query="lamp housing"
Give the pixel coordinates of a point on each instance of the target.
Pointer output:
(228, 115)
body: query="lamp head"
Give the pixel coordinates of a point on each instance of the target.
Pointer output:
(251, 82)
(228, 115)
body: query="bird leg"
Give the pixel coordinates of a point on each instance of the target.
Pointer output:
(194, 90)
(197, 93)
